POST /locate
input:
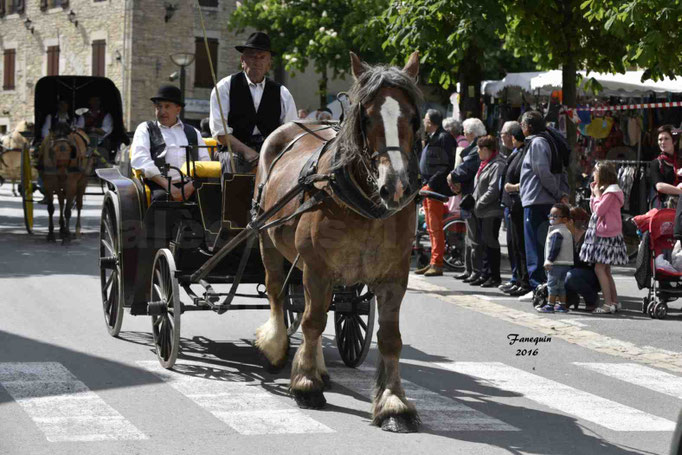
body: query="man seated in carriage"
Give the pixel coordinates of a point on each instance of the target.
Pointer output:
(99, 124)
(161, 142)
(62, 122)
(253, 105)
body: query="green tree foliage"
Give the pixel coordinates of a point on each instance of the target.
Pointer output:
(649, 30)
(317, 32)
(458, 41)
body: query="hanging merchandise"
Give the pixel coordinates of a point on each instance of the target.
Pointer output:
(599, 128)
(634, 130)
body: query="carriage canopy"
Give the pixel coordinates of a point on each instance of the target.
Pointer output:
(77, 90)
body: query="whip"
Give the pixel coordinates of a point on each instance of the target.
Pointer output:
(215, 87)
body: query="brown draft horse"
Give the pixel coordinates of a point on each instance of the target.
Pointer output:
(62, 166)
(338, 246)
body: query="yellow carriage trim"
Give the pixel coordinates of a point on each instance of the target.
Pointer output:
(202, 169)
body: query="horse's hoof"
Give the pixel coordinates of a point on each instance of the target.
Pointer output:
(51, 237)
(270, 367)
(326, 380)
(401, 423)
(310, 399)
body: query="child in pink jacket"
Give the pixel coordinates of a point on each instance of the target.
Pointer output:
(604, 245)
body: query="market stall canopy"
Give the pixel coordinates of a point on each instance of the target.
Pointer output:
(517, 80)
(629, 83)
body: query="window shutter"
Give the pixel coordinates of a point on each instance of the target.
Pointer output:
(43, 5)
(202, 68)
(2, 8)
(65, 4)
(20, 6)
(98, 57)
(53, 61)
(9, 64)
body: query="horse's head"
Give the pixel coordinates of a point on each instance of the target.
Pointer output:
(387, 105)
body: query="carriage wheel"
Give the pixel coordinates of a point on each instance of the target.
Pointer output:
(354, 323)
(294, 305)
(165, 295)
(110, 271)
(27, 189)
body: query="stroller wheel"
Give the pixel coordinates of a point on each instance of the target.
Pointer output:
(645, 305)
(650, 309)
(661, 310)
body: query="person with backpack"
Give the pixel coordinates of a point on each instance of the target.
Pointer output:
(543, 183)
(162, 142)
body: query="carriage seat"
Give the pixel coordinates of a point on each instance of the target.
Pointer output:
(202, 169)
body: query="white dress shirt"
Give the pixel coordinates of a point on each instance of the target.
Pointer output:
(77, 122)
(288, 106)
(175, 139)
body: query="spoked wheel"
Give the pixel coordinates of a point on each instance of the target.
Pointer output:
(455, 232)
(294, 305)
(27, 189)
(354, 313)
(110, 271)
(165, 308)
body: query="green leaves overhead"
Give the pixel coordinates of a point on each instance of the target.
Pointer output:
(321, 32)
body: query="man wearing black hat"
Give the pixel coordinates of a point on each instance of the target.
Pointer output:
(253, 105)
(160, 142)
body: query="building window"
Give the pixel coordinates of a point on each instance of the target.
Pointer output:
(212, 3)
(9, 68)
(202, 69)
(98, 53)
(53, 60)
(45, 4)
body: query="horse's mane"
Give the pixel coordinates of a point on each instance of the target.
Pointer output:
(365, 88)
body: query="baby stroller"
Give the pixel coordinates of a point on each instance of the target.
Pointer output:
(664, 284)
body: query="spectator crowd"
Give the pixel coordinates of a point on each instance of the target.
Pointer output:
(522, 181)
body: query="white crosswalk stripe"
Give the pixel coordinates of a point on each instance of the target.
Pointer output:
(63, 407)
(244, 406)
(640, 375)
(566, 399)
(438, 413)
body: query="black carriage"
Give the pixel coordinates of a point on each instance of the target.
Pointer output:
(77, 90)
(150, 251)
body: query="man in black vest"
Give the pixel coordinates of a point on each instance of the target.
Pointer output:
(161, 142)
(253, 105)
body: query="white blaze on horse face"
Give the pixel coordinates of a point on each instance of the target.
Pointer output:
(390, 112)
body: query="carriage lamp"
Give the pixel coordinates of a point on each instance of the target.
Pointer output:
(72, 18)
(170, 10)
(27, 24)
(183, 60)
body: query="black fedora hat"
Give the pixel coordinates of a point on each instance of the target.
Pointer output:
(256, 40)
(169, 93)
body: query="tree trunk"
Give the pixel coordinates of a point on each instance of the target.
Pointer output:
(322, 89)
(470, 84)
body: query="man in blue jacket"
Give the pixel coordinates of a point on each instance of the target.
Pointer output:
(540, 190)
(436, 160)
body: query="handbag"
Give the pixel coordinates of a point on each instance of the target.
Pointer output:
(468, 202)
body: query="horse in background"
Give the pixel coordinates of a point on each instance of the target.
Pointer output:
(339, 243)
(62, 162)
(11, 147)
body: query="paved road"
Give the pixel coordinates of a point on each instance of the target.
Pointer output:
(602, 385)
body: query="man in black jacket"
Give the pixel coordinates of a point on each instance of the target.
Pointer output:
(436, 160)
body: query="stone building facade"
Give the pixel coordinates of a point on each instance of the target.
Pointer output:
(137, 38)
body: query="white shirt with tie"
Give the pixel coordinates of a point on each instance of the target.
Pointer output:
(175, 139)
(288, 106)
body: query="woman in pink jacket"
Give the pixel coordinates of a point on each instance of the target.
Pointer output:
(604, 245)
